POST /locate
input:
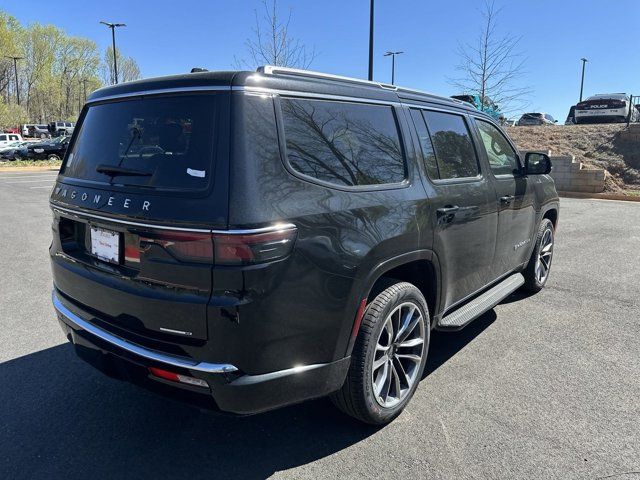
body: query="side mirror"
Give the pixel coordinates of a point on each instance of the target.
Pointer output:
(537, 163)
(555, 121)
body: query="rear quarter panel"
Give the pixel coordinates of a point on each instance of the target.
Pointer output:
(301, 311)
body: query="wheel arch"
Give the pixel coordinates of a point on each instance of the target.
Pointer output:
(420, 267)
(552, 214)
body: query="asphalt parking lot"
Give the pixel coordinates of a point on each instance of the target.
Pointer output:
(546, 386)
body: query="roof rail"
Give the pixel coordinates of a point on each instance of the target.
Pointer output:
(275, 70)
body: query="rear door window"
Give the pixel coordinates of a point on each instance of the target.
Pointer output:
(452, 144)
(426, 147)
(341, 143)
(155, 142)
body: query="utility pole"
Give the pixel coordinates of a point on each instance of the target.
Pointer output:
(113, 27)
(393, 64)
(79, 97)
(370, 77)
(15, 71)
(584, 62)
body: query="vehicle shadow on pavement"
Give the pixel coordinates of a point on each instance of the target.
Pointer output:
(444, 345)
(59, 418)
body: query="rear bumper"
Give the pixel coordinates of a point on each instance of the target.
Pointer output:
(229, 389)
(601, 116)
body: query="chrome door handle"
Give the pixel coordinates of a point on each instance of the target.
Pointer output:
(448, 210)
(507, 199)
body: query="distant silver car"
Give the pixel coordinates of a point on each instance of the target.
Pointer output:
(530, 119)
(61, 128)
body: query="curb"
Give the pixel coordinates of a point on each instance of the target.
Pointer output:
(600, 196)
(45, 168)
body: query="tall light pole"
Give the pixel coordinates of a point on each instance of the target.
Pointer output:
(584, 62)
(15, 71)
(393, 64)
(113, 27)
(84, 88)
(370, 77)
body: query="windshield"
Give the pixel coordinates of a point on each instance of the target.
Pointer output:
(168, 139)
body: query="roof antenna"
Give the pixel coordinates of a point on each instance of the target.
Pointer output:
(198, 70)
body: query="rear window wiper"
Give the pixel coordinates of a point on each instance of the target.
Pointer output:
(113, 171)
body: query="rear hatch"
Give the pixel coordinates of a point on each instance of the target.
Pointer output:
(599, 104)
(531, 119)
(142, 185)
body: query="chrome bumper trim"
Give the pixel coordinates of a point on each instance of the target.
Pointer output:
(143, 352)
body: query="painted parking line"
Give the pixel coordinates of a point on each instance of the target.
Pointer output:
(46, 186)
(29, 181)
(26, 176)
(28, 172)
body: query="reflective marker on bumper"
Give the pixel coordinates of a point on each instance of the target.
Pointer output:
(176, 377)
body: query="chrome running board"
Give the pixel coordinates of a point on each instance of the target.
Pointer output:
(464, 315)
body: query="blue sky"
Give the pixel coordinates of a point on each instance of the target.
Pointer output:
(169, 37)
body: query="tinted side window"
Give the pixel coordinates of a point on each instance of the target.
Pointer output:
(428, 154)
(503, 159)
(453, 145)
(3, 138)
(343, 143)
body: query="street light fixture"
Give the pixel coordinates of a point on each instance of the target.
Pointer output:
(113, 27)
(584, 62)
(393, 64)
(15, 70)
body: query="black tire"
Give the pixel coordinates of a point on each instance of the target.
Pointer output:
(533, 282)
(356, 397)
(53, 156)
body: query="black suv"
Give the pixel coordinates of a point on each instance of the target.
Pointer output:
(53, 149)
(248, 240)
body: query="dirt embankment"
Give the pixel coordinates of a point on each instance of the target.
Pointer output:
(594, 145)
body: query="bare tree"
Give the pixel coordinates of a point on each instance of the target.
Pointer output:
(128, 69)
(492, 67)
(271, 43)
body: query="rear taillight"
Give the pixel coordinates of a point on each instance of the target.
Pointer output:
(250, 248)
(184, 246)
(221, 248)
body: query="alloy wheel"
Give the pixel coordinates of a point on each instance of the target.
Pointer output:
(545, 254)
(398, 354)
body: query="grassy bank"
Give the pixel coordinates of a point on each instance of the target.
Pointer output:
(31, 163)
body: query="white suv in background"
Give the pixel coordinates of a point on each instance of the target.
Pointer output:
(7, 138)
(606, 108)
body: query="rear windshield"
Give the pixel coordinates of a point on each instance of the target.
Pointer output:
(532, 115)
(150, 142)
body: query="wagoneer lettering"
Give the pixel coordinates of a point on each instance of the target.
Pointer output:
(302, 243)
(61, 192)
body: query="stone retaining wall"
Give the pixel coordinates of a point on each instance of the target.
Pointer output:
(570, 176)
